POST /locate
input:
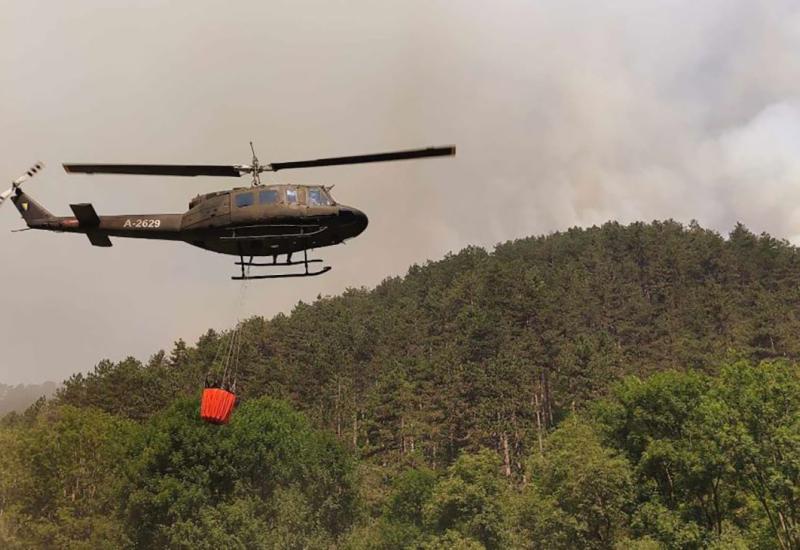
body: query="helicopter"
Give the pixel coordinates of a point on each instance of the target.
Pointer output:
(263, 220)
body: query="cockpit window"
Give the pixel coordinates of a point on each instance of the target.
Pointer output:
(316, 197)
(244, 199)
(268, 196)
(291, 196)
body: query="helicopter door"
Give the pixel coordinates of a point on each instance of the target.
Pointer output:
(293, 197)
(296, 200)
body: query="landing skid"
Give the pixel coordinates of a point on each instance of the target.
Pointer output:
(283, 275)
(278, 264)
(245, 276)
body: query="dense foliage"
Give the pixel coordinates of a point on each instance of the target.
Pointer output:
(614, 387)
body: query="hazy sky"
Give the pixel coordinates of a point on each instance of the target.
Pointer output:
(564, 112)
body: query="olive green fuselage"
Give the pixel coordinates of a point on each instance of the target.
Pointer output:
(265, 220)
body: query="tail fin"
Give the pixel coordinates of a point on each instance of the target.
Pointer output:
(32, 212)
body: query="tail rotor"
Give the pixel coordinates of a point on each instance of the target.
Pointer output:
(32, 171)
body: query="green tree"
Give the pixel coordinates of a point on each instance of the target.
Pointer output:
(579, 493)
(452, 540)
(753, 412)
(401, 524)
(471, 499)
(269, 466)
(655, 423)
(59, 488)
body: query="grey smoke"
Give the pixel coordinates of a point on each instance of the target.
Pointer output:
(565, 113)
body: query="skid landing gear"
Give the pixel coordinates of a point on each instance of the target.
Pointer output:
(275, 263)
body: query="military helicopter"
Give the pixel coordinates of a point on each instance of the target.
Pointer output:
(263, 220)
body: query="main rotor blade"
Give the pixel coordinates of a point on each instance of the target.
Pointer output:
(361, 159)
(156, 169)
(237, 170)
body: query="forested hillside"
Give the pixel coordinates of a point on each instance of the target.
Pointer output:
(483, 349)
(615, 386)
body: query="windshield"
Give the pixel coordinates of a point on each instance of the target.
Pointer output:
(318, 197)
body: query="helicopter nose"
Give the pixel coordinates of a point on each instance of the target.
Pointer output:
(355, 219)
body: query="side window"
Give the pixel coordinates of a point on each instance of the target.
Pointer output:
(245, 199)
(269, 196)
(291, 196)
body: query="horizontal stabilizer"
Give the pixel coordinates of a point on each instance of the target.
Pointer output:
(98, 239)
(86, 215)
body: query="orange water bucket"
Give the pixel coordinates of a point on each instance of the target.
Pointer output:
(216, 405)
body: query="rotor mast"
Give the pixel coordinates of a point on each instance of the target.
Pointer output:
(256, 167)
